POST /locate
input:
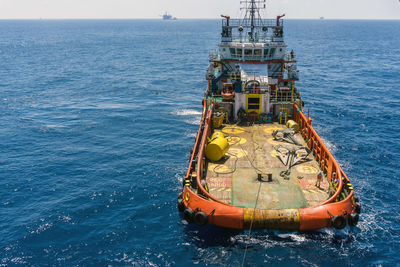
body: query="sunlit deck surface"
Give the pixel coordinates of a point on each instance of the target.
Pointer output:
(233, 179)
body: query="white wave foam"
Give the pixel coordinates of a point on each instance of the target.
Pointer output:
(190, 134)
(332, 148)
(42, 228)
(194, 121)
(187, 112)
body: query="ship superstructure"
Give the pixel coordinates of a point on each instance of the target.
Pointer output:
(253, 57)
(257, 162)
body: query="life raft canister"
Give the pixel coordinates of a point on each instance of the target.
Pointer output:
(228, 92)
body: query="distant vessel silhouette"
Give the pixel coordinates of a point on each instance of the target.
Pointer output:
(167, 16)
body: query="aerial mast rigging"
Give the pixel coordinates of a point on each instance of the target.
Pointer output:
(252, 14)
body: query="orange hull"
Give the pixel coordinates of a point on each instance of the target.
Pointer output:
(201, 207)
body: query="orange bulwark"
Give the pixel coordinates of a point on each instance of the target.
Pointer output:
(294, 203)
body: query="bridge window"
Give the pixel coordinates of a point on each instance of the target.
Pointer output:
(248, 52)
(266, 52)
(272, 52)
(233, 51)
(239, 52)
(257, 52)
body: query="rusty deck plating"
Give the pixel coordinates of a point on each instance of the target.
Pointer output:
(233, 180)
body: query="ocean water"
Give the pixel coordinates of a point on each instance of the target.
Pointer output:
(97, 118)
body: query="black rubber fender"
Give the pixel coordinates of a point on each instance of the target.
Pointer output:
(353, 219)
(188, 214)
(339, 222)
(358, 208)
(181, 205)
(201, 218)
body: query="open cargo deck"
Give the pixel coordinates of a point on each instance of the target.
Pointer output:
(233, 179)
(251, 187)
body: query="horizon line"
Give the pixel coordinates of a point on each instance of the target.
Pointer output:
(217, 18)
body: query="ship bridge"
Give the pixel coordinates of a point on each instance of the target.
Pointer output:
(242, 31)
(261, 52)
(252, 38)
(251, 71)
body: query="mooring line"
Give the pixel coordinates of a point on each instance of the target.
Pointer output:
(251, 225)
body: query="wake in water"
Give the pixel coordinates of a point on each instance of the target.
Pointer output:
(187, 112)
(193, 117)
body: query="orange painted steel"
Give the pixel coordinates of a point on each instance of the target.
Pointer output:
(226, 215)
(192, 157)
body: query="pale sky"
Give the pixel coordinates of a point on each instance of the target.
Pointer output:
(330, 9)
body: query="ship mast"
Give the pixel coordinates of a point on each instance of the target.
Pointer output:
(252, 14)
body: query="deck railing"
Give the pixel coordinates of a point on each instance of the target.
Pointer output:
(197, 143)
(326, 161)
(283, 96)
(207, 115)
(259, 23)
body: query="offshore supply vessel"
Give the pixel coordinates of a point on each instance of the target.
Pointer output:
(167, 16)
(257, 162)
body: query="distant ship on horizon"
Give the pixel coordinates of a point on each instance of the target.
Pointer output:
(167, 16)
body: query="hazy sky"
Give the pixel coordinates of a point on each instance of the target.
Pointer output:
(346, 9)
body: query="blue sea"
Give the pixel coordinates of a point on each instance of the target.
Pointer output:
(97, 118)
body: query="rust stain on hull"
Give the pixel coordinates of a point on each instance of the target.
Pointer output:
(286, 219)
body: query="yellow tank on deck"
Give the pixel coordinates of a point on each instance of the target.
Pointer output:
(292, 124)
(217, 147)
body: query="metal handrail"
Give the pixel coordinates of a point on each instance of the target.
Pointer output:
(196, 144)
(268, 38)
(270, 23)
(200, 163)
(312, 135)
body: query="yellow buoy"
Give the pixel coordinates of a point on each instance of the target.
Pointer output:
(292, 124)
(217, 147)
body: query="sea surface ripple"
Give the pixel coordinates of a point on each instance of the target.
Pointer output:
(98, 118)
